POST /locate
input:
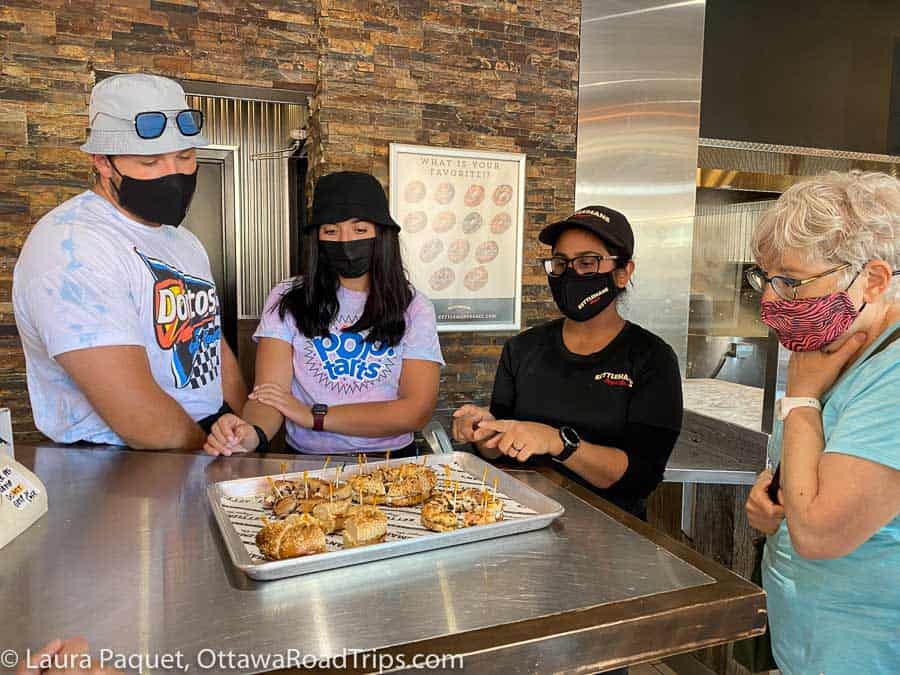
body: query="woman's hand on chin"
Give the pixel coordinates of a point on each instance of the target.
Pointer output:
(811, 374)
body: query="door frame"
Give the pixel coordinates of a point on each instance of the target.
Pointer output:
(225, 157)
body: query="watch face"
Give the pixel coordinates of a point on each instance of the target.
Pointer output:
(570, 436)
(319, 409)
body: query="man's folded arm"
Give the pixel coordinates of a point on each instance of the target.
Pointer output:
(118, 383)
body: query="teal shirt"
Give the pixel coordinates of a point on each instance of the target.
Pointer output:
(843, 616)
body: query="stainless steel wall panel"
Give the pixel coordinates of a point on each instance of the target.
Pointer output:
(638, 123)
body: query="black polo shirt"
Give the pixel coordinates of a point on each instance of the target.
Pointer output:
(626, 396)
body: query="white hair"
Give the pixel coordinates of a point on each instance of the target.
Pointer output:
(835, 218)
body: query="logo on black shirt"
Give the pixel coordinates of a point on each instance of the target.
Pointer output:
(184, 318)
(615, 379)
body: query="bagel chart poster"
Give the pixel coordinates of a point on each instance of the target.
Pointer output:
(461, 215)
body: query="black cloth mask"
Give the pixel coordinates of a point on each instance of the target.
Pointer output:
(348, 259)
(164, 200)
(580, 297)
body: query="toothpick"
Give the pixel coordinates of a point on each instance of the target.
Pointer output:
(306, 484)
(387, 459)
(484, 478)
(331, 492)
(495, 488)
(327, 462)
(365, 462)
(283, 470)
(455, 492)
(274, 487)
(448, 474)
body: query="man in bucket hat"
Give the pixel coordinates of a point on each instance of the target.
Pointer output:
(115, 304)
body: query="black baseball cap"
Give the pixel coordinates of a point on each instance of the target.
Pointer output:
(608, 224)
(344, 195)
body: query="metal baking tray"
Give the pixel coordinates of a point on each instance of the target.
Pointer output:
(237, 505)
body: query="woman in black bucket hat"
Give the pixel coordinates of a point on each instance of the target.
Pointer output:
(348, 352)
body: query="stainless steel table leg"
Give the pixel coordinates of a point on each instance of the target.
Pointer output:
(437, 438)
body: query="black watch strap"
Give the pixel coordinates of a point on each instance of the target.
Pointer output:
(263, 439)
(570, 440)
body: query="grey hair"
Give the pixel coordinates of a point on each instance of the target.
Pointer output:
(835, 218)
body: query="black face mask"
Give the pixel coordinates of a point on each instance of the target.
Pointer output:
(348, 259)
(582, 298)
(163, 200)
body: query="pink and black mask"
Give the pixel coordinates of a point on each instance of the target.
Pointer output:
(809, 324)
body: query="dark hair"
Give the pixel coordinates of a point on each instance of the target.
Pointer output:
(312, 300)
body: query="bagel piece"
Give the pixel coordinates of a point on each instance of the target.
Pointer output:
(297, 535)
(363, 525)
(446, 511)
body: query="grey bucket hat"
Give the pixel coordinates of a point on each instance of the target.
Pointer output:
(114, 103)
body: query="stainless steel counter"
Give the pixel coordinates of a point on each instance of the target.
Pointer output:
(129, 556)
(731, 403)
(721, 439)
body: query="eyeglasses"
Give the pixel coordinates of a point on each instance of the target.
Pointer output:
(785, 288)
(584, 265)
(152, 124)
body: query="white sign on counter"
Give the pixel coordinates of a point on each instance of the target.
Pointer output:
(6, 436)
(23, 499)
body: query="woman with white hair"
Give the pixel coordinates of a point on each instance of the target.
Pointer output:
(829, 259)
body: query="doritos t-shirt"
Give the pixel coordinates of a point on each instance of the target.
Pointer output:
(89, 276)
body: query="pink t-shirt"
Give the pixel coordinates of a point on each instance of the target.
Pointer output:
(343, 368)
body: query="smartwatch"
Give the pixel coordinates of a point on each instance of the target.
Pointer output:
(570, 440)
(784, 405)
(319, 410)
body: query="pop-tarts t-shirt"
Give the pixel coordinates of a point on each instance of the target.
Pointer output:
(343, 367)
(89, 276)
(842, 616)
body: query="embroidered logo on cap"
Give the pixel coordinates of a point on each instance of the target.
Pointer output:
(591, 212)
(615, 379)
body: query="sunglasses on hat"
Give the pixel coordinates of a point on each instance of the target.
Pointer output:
(152, 124)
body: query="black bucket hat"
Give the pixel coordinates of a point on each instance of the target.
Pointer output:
(608, 224)
(350, 194)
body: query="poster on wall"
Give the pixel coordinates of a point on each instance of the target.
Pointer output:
(461, 214)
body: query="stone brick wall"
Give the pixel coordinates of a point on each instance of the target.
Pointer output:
(477, 74)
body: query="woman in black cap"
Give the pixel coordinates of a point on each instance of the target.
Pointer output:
(348, 351)
(599, 395)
